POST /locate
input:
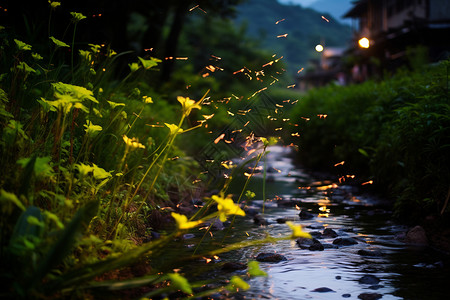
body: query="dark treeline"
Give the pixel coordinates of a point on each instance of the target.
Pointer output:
(108, 22)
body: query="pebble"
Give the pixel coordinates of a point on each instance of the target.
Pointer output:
(370, 296)
(369, 279)
(346, 295)
(323, 290)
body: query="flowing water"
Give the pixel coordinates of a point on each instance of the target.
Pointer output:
(404, 271)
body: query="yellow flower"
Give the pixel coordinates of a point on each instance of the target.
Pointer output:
(183, 223)
(297, 231)
(226, 207)
(174, 128)
(188, 104)
(133, 142)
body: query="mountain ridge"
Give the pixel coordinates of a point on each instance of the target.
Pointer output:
(291, 31)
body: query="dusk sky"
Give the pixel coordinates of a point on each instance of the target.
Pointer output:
(336, 8)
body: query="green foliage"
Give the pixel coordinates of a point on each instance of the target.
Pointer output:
(394, 132)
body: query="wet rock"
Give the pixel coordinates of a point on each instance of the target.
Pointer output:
(345, 241)
(304, 243)
(376, 287)
(316, 247)
(285, 219)
(346, 295)
(338, 277)
(251, 211)
(371, 253)
(370, 296)
(316, 234)
(369, 279)
(304, 215)
(155, 235)
(310, 244)
(270, 257)
(287, 203)
(329, 246)
(329, 233)
(315, 226)
(323, 290)
(188, 236)
(259, 220)
(416, 236)
(233, 266)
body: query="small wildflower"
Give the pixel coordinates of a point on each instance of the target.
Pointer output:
(183, 223)
(91, 129)
(36, 56)
(133, 142)
(133, 67)
(77, 17)
(188, 104)
(226, 207)
(297, 231)
(54, 4)
(147, 99)
(174, 128)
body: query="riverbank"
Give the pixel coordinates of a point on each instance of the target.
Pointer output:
(393, 135)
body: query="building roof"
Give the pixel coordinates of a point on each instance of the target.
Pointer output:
(359, 7)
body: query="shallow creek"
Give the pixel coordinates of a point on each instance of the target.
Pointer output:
(396, 270)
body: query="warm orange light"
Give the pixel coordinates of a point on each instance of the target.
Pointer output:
(364, 42)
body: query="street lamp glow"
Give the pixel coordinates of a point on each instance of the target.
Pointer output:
(319, 48)
(364, 42)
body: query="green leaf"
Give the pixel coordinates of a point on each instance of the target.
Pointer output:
(180, 283)
(65, 243)
(22, 66)
(363, 152)
(59, 43)
(149, 63)
(237, 283)
(10, 197)
(22, 46)
(77, 17)
(77, 92)
(91, 129)
(254, 270)
(42, 168)
(115, 104)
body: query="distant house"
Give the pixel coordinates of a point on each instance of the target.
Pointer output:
(393, 27)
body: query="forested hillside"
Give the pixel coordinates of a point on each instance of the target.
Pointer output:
(270, 21)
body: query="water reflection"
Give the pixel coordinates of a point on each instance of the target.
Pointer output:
(404, 272)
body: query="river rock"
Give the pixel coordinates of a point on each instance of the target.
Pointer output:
(310, 244)
(259, 220)
(369, 279)
(346, 295)
(304, 215)
(371, 253)
(345, 241)
(370, 296)
(416, 236)
(329, 233)
(233, 266)
(323, 290)
(270, 257)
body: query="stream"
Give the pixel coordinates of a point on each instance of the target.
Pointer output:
(376, 264)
